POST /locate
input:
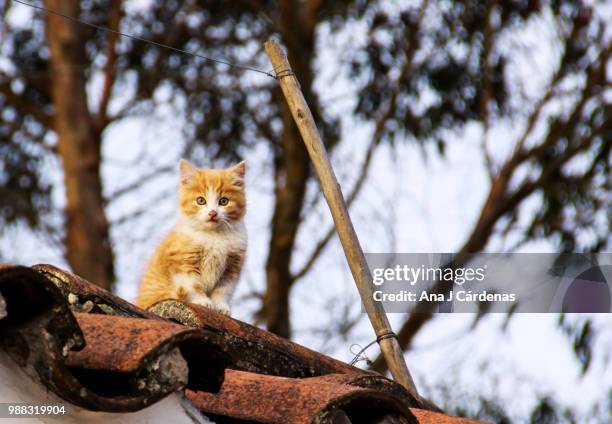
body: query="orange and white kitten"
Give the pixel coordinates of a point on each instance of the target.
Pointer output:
(201, 259)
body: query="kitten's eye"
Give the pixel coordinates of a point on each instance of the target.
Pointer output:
(223, 201)
(201, 201)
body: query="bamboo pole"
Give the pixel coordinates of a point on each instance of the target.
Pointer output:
(290, 87)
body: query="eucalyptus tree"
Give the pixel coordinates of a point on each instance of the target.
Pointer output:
(421, 72)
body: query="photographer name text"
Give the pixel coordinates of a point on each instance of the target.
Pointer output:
(414, 275)
(458, 295)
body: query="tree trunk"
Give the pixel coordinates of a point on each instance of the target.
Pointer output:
(292, 173)
(87, 244)
(291, 178)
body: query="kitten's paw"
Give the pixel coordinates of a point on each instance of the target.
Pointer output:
(203, 300)
(222, 307)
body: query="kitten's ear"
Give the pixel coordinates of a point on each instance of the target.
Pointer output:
(187, 171)
(238, 172)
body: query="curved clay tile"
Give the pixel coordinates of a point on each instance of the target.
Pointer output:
(430, 417)
(119, 358)
(373, 381)
(147, 355)
(84, 296)
(268, 399)
(127, 363)
(25, 295)
(252, 349)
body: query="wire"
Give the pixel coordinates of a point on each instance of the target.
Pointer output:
(144, 40)
(361, 356)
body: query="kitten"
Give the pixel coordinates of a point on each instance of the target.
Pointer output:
(201, 259)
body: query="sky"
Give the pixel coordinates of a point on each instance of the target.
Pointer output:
(413, 201)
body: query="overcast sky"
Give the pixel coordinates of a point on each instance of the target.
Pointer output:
(414, 201)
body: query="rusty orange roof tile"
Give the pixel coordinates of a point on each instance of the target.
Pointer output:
(430, 417)
(271, 399)
(102, 353)
(133, 346)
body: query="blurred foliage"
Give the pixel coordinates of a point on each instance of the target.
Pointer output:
(24, 192)
(433, 69)
(489, 408)
(441, 48)
(546, 411)
(581, 335)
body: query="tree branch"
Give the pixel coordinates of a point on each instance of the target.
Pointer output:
(485, 98)
(22, 105)
(499, 203)
(143, 210)
(379, 131)
(110, 71)
(311, 10)
(140, 182)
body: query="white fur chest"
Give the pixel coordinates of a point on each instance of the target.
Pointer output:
(219, 242)
(219, 269)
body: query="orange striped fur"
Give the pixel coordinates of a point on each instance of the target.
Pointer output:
(201, 259)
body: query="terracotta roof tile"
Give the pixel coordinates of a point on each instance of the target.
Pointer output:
(102, 353)
(27, 294)
(84, 296)
(429, 417)
(135, 346)
(42, 334)
(270, 399)
(253, 349)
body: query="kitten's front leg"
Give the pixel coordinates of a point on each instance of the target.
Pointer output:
(224, 288)
(220, 298)
(188, 288)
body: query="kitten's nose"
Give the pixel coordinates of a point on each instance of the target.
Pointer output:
(212, 214)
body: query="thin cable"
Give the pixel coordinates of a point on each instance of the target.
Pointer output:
(361, 356)
(144, 40)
